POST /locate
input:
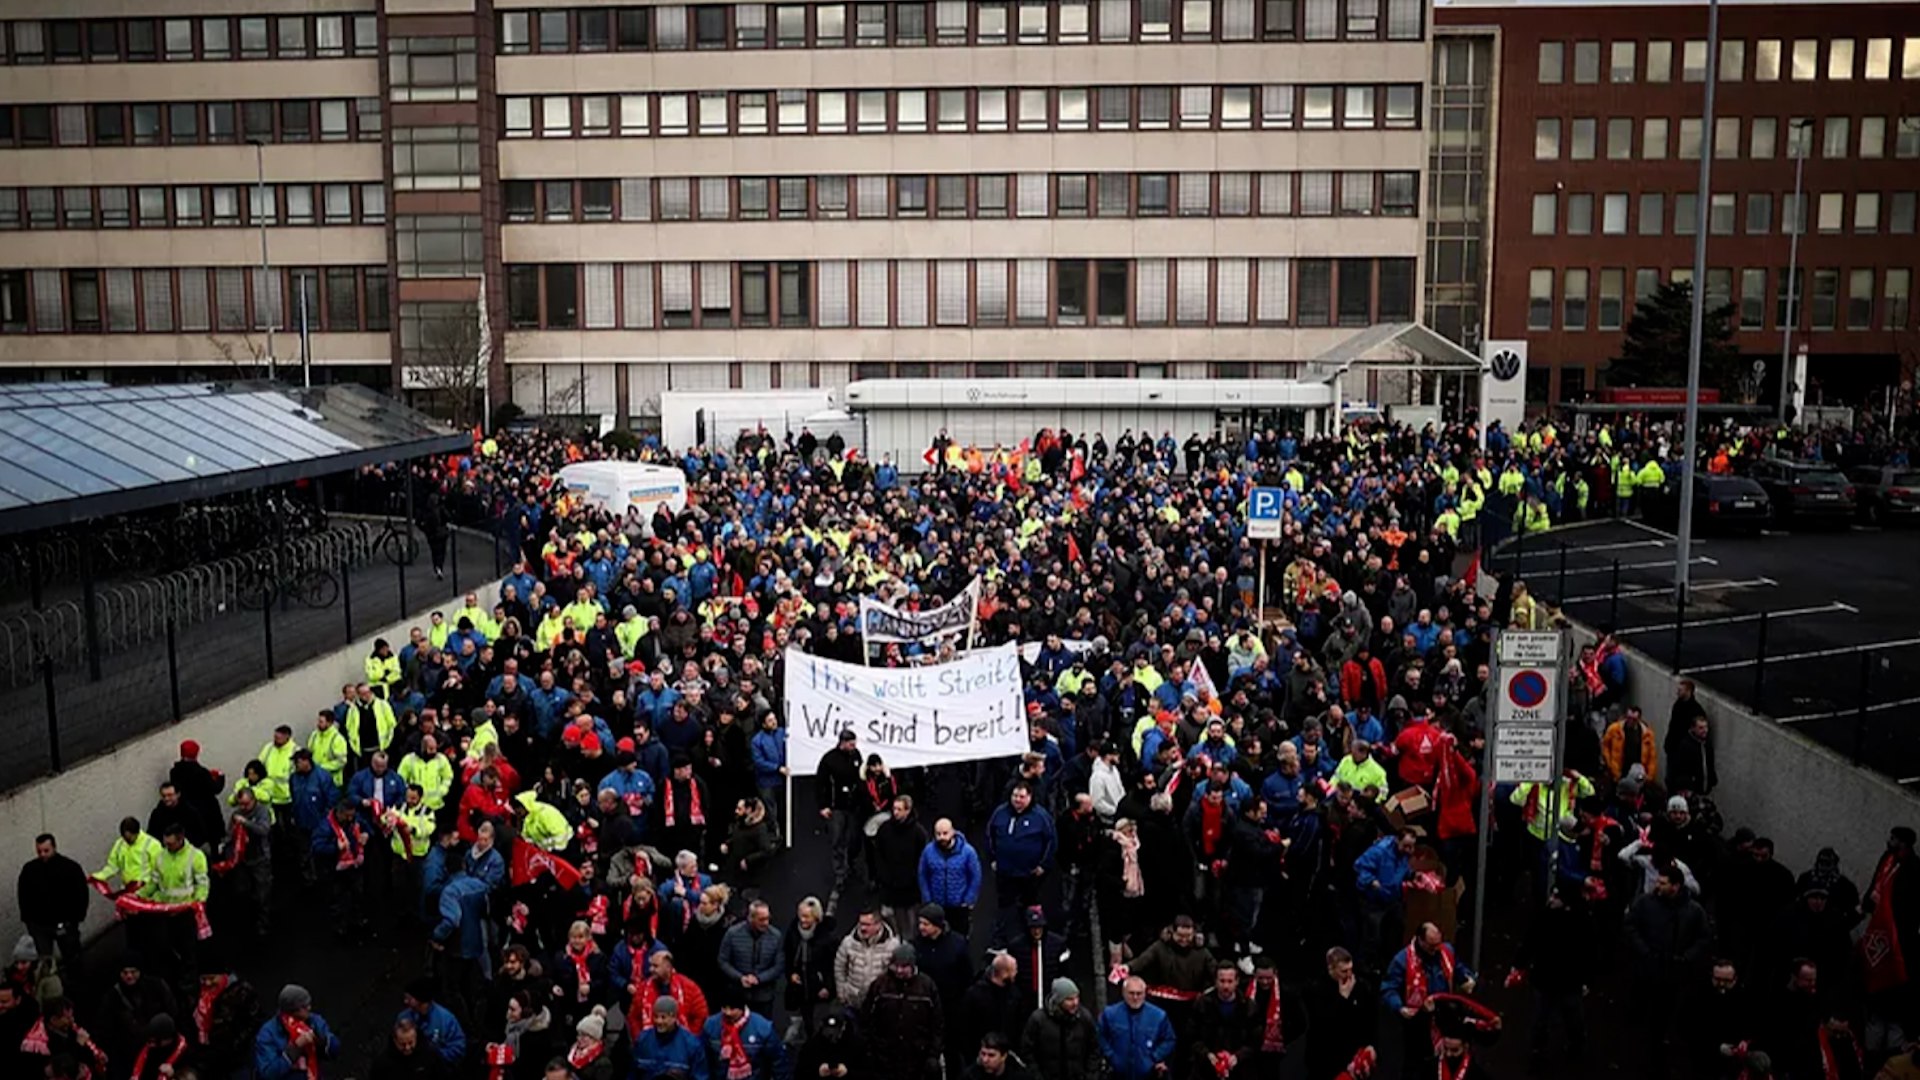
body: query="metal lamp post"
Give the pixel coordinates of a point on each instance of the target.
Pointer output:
(260, 204)
(1703, 201)
(1793, 258)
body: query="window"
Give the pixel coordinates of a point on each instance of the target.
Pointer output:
(1651, 208)
(870, 197)
(631, 28)
(1621, 61)
(1070, 196)
(1236, 107)
(1659, 61)
(716, 199)
(116, 209)
(1403, 106)
(1879, 58)
(517, 117)
(1317, 114)
(990, 196)
(1154, 194)
(1806, 60)
(1831, 212)
(1686, 213)
(1653, 138)
(1860, 300)
(1192, 286)
(1540, 300)
(329, 35)
(1896, 295)
(433, 69)
(1582, 148)
(1546, 139)
(1236, 193)
(1033, 110)
(1355, 292)
(1790, 297)
(1612, 313)
(1720, 215)
(1834, 137)
(1546, 213)
(1793, 214)
(1906, 141)
(1762, 133)
(1316, 194)
(1733, 61)
(910, 196)
(1726, 137)
(1276, 106)
(1693, 61)
(1070, 291)
(1766, 60)
(910, 291)
(439, 246)
(1110, 292)
(713, 112)
(1866, 212)
(1619, 138)
(1613, 214)
(1553, 55)
(1840, 58)
(76, 207)
(1573, 307)
(1579, 214)
(1800, 137)
(436, 158)
(189, 207)
(562, 287)
(291, 36)
(1586, 61)
(1873, 136)
(299, 198)
(1753, 299)
(1826, 299)
(1356, 194)
(1759, 213)
(1150, 283)
(176, 35)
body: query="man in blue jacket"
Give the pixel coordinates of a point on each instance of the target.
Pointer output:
(460, 936)
(1379, 873)
(668, 1051)
(1135, 1037)
(293, 1042)
(1424, 968)
(436, 1025)
(737, 1036)
(950, 875)
(1021, 840)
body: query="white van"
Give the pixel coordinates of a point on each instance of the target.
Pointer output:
(619, 485)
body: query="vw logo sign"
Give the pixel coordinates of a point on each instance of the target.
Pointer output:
(1506, 364)
(973, 393)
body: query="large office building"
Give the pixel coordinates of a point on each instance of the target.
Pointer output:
(607, 202)
(1567, 149)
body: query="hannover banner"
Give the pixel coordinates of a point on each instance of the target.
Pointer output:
(884, 624)
(966, 710)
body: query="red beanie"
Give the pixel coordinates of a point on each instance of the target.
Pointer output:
(189, 749)
(589, 743)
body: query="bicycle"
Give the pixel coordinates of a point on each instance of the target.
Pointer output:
(398, 542)
(312, 586)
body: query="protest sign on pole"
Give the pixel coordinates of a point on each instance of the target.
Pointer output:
(883, 624)
(966, 710)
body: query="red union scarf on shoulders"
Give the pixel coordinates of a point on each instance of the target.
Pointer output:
(733, 1050)
(172, 1058)
(1416, 989)
(1880, 945)
(236, 852)
(695, 815)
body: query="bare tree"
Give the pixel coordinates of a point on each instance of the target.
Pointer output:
(246, 356)
(450, 363)
(564, 402)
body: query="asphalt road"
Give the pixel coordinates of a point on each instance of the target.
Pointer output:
(1813, 627)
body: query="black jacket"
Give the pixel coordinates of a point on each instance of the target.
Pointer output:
(840, 785)
(53, 891)
(1669, 937)
(1341, 1024)
(812, 960)
(1214, 1026)
(986, 1006)
(1061, 1046)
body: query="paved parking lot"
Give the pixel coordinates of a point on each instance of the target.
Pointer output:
(1837, 653)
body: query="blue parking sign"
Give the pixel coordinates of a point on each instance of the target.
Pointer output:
(1263, 513)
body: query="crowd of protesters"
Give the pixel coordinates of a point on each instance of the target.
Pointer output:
(1254, 816)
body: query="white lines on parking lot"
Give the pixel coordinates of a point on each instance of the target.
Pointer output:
(1554, 552)
(1667, 590)
(1880, 706)
(1644, 527)
(1697, 560)
(1728, 620)
(1901, 643)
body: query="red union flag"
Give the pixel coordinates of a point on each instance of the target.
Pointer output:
(529, 862)
(1880, 954)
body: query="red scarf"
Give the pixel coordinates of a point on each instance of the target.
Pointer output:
(1416, 989)
(349, 856)
(1880, 946)
(1212, 824)
(140, 1059)
(733, 1052)
(295, 1027)
(579, 1059)
(238, 850)
(499, 1057)
(597, 914)
(1829, 1057)
(203, 1010)
(689, 890)
(1459, 1071)
(125, 903)
(695, 815)
(1597, 857)
(580, 970)
(1271, 1039)
(1455, 786)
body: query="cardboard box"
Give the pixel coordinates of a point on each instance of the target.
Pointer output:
(1442, 908)
(1403, 807)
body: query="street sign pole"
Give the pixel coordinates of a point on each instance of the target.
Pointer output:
(1260, 601)
(1264, 521)
(1525, 744)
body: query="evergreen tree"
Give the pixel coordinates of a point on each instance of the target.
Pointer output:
(1653, 351)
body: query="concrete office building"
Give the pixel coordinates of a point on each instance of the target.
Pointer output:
(1566, 169)
(628, 198)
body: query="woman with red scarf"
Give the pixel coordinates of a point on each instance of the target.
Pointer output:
(579, 974)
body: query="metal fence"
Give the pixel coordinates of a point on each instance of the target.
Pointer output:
(1857, 699)
(79, 676)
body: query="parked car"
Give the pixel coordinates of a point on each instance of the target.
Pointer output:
(1887, 493)
(1804, 492)
(1729, 503)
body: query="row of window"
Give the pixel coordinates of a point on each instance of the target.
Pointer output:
(185, 300)
(963, 109)
(248, 37)
(915, 23)
(994, 195)
(1584, 138)
(191, 206)
(1598, 300)
(1587, 214)
(1773, 59)
(192, 123)
(910, 293)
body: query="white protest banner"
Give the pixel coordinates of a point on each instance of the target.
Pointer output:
(884, 624)
(966, 710)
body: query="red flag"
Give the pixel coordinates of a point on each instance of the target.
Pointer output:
(1454, 789)
(1073, 549)
(1880, 945)
(529, 862)
(927, 456)
(1077, 470)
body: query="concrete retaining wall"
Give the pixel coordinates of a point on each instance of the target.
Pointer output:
(1778, 783)
(83, 806)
